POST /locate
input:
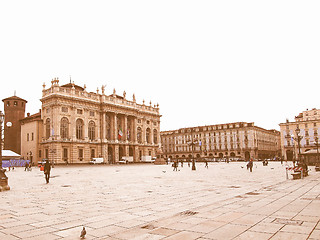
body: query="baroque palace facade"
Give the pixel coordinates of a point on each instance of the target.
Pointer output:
(307, 126)
(238, 140)
(75, 126)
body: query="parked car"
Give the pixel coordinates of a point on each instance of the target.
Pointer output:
(96, 161)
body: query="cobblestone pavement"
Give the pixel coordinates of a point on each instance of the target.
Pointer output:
(145, 201)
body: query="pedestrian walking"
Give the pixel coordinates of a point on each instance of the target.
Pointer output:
(206, 162)
(251, 164)
(26, 166)
(46, 170)
(175, 165)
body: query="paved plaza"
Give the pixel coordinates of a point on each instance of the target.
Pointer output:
(145, 201)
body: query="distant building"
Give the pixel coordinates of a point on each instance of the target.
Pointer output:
(238, 140)
(308, 125)
(75, 126)
(14, 109)
(31, 137)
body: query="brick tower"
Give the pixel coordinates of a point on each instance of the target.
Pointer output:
(14, 110)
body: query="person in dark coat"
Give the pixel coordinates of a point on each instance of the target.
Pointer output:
(47, 169)
(175, 165)
(251, 164)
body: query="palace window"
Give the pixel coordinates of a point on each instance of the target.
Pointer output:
(47, 128)
(79, 111)
(148, 135)
(64, 109)
(139, 135)
(155, 136)
(108, 127)
(79, 129)
(91, 113)
(93, 152)
(91, 130)
(80, 154)
(65, 154)
(64, 128)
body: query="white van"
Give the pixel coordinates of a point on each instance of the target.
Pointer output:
(147, 159)
(96, 161)
(126, 160)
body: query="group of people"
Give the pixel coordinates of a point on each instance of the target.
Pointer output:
(175, 164)
(28, 166)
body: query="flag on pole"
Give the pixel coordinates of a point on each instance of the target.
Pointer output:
(120, 133)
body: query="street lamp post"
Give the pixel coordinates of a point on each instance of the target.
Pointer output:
(316, 142)
(192, 143)
(3, 178)
(1, 121)
(298, 139)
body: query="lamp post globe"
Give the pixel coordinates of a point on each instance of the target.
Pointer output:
(3, 178)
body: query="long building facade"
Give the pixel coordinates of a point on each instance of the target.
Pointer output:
(307, 126)
(78, 126)
(240, 140)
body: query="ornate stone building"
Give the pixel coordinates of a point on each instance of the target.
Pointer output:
(238, 140)
(307, 124)
(78, 125)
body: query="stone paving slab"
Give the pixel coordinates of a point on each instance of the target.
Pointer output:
(145, 201)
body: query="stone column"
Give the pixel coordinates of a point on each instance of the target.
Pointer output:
(144, 129)
(115, 127)
(134, 130)
(103, 126)
(158, 132)
(127, 151)
(116, 153)
(151, 133)
(125, 129)
(55, 130)
(85, 125)
(136, 154)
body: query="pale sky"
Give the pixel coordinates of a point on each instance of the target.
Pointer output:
(204, 62)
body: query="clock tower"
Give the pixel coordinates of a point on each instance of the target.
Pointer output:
(14, 110)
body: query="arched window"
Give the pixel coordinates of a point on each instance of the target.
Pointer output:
(64, 128)
(155, 136)
(139, 135)
(108, 127)
(48, 128)
(91, 130)
(79, 129)
(148, 135)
